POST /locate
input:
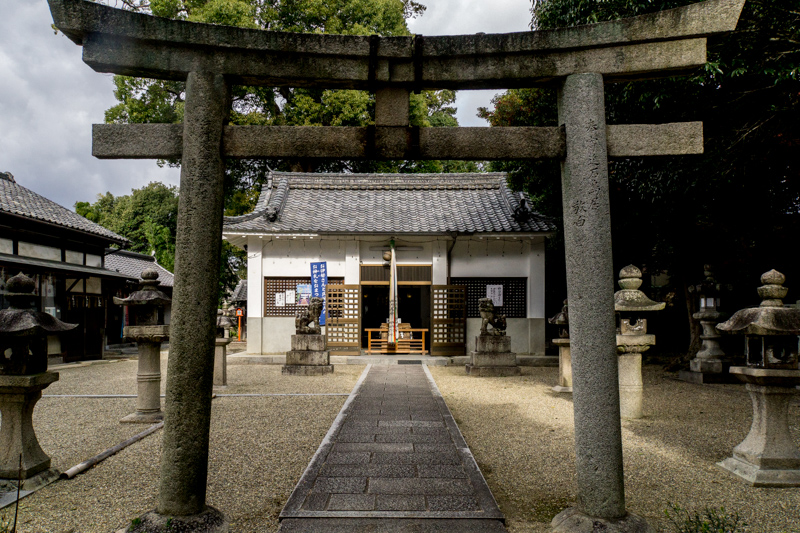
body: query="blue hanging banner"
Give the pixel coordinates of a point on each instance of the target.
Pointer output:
(319, 280)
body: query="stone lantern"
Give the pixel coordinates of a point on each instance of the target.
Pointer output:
(224, 325)
(632, 339)
(148, 334)
(768, 457)
(707, 366)
(23, 376)
(561, 319)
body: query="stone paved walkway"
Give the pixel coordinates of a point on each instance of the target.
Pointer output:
(394, 460)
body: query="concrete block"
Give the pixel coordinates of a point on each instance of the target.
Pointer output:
(493, 343)
(294, 357)
(307, 370)
(481, 359)
(314, 343)
(493, 371)
(711, 366)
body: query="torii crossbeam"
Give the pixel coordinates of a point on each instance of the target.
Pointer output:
(578, 61)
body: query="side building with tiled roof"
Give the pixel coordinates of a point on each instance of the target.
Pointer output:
(65, 254)
(457, 238)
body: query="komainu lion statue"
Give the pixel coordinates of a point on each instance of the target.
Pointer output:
(307, 320)
(498, 323)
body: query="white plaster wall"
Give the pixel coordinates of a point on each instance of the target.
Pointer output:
(292, 257)
(352, 260)
(75, 258)
(536, 279)
(38, 251)
(490, 257)
(94, 260)
(6, 246)
(276, 334)
(439, 262)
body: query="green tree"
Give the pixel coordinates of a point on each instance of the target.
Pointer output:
(158, 101)
(147, 218)
(736, 206)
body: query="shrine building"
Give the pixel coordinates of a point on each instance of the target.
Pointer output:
(457, 238)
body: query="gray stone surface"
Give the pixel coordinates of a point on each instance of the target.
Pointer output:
(18, 397)
(396, 525)
(209, 520)
(480, 359)
(307, 370)
(493, 371)
(314, 343)
(138, 45)
(573, 521)
(135, 141)
(493, 344)
(590, 286)
(564, 366)
(184, 462)
(221, 361)
(295, 357)
(768, 456)
(425, 470)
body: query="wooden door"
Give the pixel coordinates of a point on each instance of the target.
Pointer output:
(343, 319)
(449, 320)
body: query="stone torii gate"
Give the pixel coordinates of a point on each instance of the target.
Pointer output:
(578, 61)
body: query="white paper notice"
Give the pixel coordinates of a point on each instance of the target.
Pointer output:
(280, 299)
(290, 295)
(495, 292)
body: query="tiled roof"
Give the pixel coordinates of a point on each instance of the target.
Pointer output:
(17, 200)
(387, 203)
(240, 292)
(133, 264)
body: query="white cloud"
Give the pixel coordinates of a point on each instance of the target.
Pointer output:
(48, 101)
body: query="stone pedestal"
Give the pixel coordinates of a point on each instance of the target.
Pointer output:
(308, 356)
(767, 457)
(564, 366)
(18, 396)
(708, 366)
(631, 386)
(210, 520)
(221, 361)
(148, 374)
(493, 357)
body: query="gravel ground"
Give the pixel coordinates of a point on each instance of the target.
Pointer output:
(521, 435)
(519, 431)
(259, 447)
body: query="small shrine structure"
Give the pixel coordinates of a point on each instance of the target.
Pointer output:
(453, 237)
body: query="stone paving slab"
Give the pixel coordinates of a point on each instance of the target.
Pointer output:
(394, 460)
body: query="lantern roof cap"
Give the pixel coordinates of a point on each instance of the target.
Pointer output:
(770, 317)
(148, 293)
(630, 298)
(22, 319)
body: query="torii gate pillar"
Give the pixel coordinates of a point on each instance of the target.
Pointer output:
(590, 289)
(187, 407)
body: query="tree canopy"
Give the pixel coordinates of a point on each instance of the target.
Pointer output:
(736, 206)
(147, 218)
(159, 101)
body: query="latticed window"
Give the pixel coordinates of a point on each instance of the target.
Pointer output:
(273, 286)
(514, 295)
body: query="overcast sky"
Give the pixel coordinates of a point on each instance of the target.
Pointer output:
(49, 98)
